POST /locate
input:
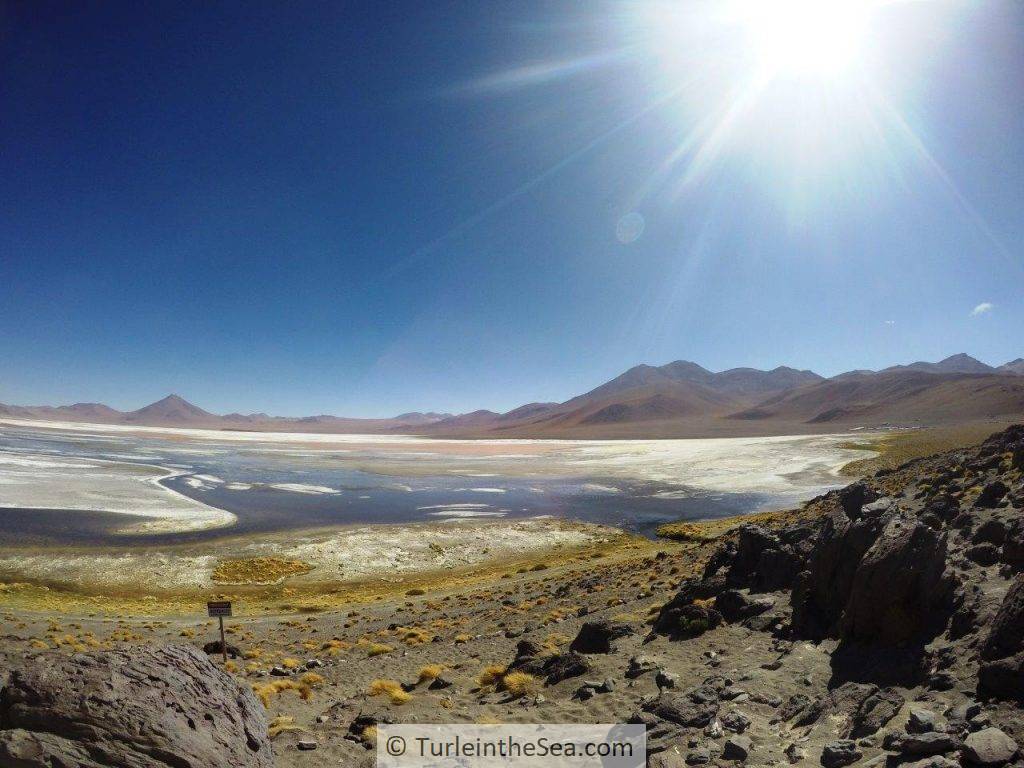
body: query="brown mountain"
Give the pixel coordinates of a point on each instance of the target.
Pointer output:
(679, 399)
(902, 396)
(171, 410)
(1014, 366)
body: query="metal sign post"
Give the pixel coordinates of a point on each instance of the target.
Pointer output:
(220, 609)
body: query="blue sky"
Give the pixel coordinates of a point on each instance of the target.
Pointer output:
(368, 208)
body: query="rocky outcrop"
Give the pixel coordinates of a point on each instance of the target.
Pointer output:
(898, 586)
(141, 707)
(1002, 667)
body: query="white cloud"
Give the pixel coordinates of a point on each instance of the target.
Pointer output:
(981, 309)
(890, 322)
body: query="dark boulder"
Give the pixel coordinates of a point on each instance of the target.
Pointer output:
(983, 554)
(735, 605)
(148, 707)
(898, 586)
(822, 589)
(763, 562)
(1002, 667)
(836, 754)
(692, 709)
(991, 495)
(991, 532)
(853, 497)
(1013, 546)
(597, 636)
(681, 618)
(214, 646)
(563, 666)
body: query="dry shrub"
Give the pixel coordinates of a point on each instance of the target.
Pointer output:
(519, 684)
(312, 679)
(289, 663)
(282, 723)
(376, 649)
(430, 672)
(491, 674)
(390, 688)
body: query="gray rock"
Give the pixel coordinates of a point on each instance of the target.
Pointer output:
(989, 746)
(141, 707)
(795, 754)
(690, 710)
(700, 756)
(836, 754)
(736, 722)
(736, 748)
(1002, 668)
(921, 721)
(665, 679)
(921, 744)
(306, 745)
(639, 665)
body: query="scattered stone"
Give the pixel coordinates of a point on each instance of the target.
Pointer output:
(306, 745)
(988, 747)
(991, 495)
(736, 722)
(923, 744)
(639, 665)
(794, 754)
(983, 554)
(563, 666)
(736, 748)
(836, 754)
(737, 605)
(921, 721)
(698, 757)
(665, 679)
(597, 636)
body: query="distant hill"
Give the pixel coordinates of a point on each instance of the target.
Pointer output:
(1014, 366)
(171, 410)
(678, 399)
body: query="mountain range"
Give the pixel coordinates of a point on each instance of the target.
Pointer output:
(679, 399)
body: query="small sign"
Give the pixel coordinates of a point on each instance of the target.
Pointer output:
(218, 608)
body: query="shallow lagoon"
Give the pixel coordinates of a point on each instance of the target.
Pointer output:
(92, 485)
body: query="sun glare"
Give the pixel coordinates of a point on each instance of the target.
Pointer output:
(819, 38)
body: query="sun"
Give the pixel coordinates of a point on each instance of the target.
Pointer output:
(806, 38)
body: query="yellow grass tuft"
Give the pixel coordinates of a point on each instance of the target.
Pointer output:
(430, 672)
(377, 649)
(491, 674)
(390, 688)
(519, 684)
(289, 663)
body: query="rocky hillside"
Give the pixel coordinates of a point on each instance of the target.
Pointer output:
(916, 576)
